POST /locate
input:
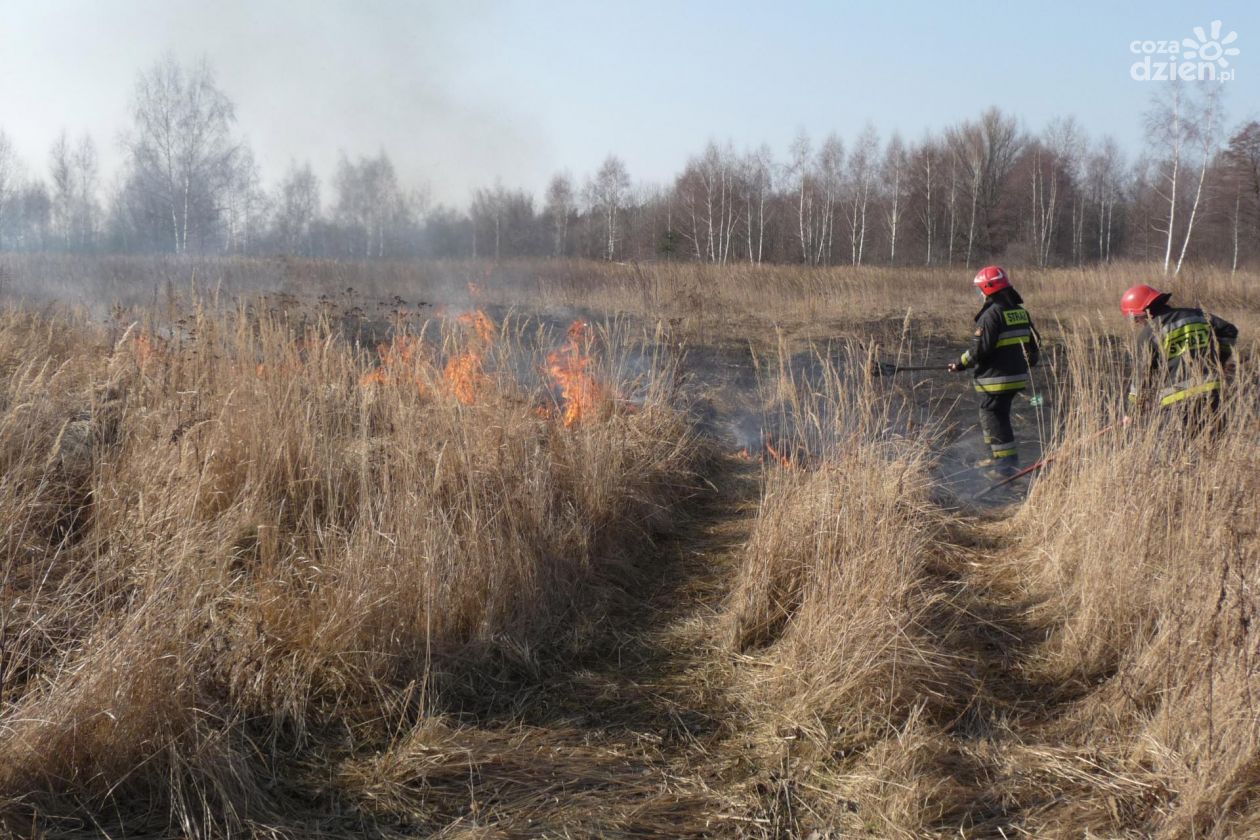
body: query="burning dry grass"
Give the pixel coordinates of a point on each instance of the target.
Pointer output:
(207, 573)
(570, 367)
(253, 577)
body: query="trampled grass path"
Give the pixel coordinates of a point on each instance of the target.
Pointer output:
(644, 737)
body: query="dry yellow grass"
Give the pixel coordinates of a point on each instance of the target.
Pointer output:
(1142, 551)
(830, 599)
(1084, 665)
(713, 302)
(252, 587)
(222, 546)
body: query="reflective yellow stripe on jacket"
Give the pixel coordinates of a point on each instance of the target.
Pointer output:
(1016, 330)
(1010, 337)
(1185, 389)
(1001, 384)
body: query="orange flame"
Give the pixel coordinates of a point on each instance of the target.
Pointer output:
(397, 363)
(400, 352)
(464, 373)
(480, 325)
(789, 456)
(464, 377)
(769, 453)
(375, 376)
(784, 460)
(584, 397)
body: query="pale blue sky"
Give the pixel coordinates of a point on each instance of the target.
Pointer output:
(463, 93)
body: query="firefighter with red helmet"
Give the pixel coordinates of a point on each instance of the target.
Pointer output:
(1003, 348)
(1182, 354)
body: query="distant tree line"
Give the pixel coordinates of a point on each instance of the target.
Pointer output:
(979, 189)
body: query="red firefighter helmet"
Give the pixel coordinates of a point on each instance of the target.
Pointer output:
(1140, 298)
(991, 279)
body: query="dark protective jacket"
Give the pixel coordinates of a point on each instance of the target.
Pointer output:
(1004, 345)
(1180, 354)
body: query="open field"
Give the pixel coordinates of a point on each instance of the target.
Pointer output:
(570, 549)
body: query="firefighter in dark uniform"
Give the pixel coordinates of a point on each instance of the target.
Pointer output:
(1182, 357)
(1003, 348)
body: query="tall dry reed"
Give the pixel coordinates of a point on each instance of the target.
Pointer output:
(234, 539)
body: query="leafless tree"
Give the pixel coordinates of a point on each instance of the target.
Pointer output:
(607, 194)
(182, 152)
(487, 211)
(708, 192)
(802, 174)
(1053, 159)
(861, 177)
(86, 213)
(370, 203)
(60, 171)
(1003, 143)
(504, 220)
(75, 209)
(245, 205)
(967, 144)
(964, 194)
(34, 216)
(297, 205)
(560, 207)
(1103, 173)
(925, 166)
(984, 153)
(1182, 131)
(1206, 114)
(954, 176)
(9, 177)
(829, 177)
(893, 171)
(1169, 132)
(1242, 168)
(758, 185)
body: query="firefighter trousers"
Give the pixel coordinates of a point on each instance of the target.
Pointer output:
(995, 423)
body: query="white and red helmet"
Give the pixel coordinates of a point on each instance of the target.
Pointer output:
(991, 279)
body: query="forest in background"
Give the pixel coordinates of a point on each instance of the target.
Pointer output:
(986, 187)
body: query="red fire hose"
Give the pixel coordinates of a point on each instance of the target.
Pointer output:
(1047, 459)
